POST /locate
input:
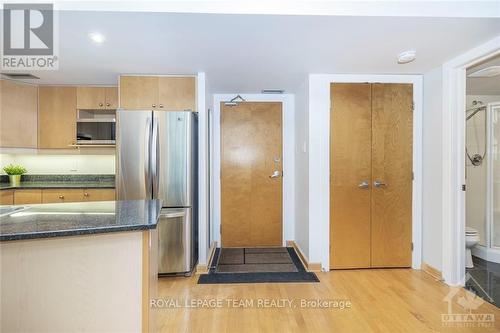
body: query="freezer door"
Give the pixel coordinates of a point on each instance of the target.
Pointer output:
(174, 145)
(175, 241)
(134, 178)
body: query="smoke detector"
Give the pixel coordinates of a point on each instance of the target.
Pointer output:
(407, 56)
(486, 72)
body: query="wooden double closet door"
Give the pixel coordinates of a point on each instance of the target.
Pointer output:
(371, 175)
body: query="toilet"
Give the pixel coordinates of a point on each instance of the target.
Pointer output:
(471, 239)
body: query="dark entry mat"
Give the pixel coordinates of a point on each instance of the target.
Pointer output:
(255, 260)
(219, 277)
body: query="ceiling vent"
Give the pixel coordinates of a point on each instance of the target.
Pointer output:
(20, 76)
(272, 91)
(486, 72)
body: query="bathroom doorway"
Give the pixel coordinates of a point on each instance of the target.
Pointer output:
(482, 179)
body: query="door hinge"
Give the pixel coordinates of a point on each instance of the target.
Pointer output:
(412, 175)
(412, 246)
(413, 106)
(464, 187)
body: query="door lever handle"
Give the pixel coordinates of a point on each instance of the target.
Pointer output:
(378, 183)
(276, 174)
(363, 185)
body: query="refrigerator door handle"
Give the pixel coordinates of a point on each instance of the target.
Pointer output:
(155, 154)
(147, 164)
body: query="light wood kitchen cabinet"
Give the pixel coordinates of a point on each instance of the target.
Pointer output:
(77, 195)
(62, 195)
(99, 194)
(18, 114)
(111, 97)
(97, 98)
(138, 92)
(177, 93)
(168, 93)
(27, 196)
(56, 117)
(6, 197)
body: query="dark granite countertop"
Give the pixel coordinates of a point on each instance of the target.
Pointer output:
(60, 181)
(81, 218)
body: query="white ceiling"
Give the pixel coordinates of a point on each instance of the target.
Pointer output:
(247, 53)
(484, 85)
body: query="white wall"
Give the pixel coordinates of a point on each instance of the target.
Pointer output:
(61, 164)
(432, 169)
(302, 168)
(203, 171)
(288, 101)
(319, 161)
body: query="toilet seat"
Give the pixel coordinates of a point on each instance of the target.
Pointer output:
(470, 231)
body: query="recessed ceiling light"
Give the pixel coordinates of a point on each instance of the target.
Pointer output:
(486, 72)
(407, 56)
(97, 37)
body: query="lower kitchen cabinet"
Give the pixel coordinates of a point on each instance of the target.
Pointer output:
(31, 196)
(62, 195)
(55, 195)
(95, 194)
(7, 197)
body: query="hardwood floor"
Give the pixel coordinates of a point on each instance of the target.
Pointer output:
(383, 300)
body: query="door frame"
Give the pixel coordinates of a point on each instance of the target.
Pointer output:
(319, 187)
(288, 153)
(454, 93)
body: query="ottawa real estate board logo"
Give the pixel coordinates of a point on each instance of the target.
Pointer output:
(29, 41)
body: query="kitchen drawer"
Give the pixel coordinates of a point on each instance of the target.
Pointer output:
(62, 195)
(99, 194)
(24, 197)
(6, 197)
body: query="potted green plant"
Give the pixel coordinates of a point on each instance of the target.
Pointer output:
(15, 172)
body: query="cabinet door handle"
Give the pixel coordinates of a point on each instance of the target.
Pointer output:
(107, 104)
(100, 104)
(85, 194)
(61, 197)
(161, 105)
(154, 105)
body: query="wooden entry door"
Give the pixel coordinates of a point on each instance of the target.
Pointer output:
(371, 175)
(251, 174)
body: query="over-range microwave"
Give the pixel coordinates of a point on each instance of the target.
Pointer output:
(96, 127)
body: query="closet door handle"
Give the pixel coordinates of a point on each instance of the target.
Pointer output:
(379, 184)
(363, 185)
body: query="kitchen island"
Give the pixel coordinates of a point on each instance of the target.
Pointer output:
(89, 266)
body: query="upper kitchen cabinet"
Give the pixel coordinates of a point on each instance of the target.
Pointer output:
(97, 98)
(177, 93)
(111, 97)
(56, 117)
(18, 115)
(138, 92)
(168, 93)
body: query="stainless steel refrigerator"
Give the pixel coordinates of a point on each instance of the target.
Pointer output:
(156, 158)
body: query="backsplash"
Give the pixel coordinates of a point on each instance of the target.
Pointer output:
(62, 178)
(61, 164)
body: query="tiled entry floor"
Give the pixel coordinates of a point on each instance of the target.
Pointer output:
(485, 280)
